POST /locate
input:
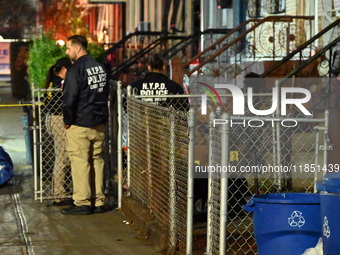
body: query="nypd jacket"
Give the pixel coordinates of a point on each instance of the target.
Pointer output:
(154, 84)
(85, 94)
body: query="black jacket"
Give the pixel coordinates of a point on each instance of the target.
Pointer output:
(85, 93)
(154, 84)
(53, 99)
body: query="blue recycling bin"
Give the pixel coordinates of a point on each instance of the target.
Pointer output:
(329, 189)
(285, 223)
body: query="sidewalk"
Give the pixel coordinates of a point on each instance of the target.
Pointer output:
(30, 227)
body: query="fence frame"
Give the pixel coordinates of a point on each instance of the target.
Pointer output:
(224, 210)
(38, 166)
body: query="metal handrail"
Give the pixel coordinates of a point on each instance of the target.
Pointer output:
(182, 44)
(300, 48)
(310, 60)
(239, 38)
(191, 39)
(128, 37)
(236, 29)
(172, 51)
(129, 62)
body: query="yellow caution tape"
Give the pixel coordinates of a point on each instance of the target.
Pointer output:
(16, 105)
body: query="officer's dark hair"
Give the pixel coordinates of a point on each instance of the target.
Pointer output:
(79, 40)
(56, 68)
(156, 62)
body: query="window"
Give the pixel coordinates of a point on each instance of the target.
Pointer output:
(275, 6)
(255, 8)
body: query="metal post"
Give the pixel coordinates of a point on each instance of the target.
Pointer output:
(129, 93)
(209, 228)
(316, 155)
(278, 137)
(35, 149)
(190, 195)
(172, 188)
(40, 157)
(224, 186)
(287, 39)
(119, 143)
(326, 141)
(254, 48)
(203, 22)
(274, 41)
(316, 20)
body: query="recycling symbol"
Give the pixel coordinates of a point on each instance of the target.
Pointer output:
(296, 219)
(326, 228)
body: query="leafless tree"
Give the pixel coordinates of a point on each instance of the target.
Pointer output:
(17, 18)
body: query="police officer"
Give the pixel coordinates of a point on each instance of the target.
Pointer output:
(156, 83)
(53, 103)
(85, 114)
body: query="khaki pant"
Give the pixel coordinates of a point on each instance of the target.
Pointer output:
(61, 161)
(85, 149)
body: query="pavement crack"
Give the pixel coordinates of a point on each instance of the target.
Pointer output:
(21, 222)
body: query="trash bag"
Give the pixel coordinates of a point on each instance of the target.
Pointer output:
(6, 167)
(317, 250)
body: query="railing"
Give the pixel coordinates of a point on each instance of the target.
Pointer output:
(270, 38)
(180, 46)
(135, 48)
(144, 52)
(122, 50)
(193, 41)
(317, 55)
(122, 42)
(299, 50)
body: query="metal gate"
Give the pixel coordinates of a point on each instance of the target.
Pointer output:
(52, 172)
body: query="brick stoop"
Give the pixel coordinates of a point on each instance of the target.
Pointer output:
(145, 223)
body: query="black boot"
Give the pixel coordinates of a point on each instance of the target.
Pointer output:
(77, 210)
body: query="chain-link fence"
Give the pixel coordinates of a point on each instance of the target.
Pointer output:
(52, 169)
(157, 147)
(51, 164)
(265, 154)
(176, 160)
(173, 157)
(261, 160)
